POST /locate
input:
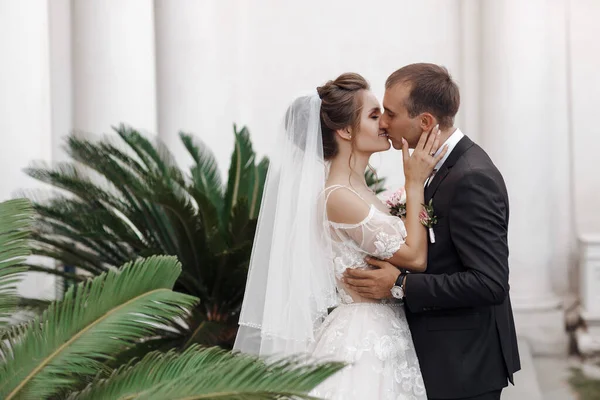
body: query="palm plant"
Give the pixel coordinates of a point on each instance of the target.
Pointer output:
(15, 221)
(208, 374)
(121, 203)
(62, 352)
(375, 183)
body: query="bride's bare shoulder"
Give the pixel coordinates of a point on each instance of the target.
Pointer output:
(345, 206)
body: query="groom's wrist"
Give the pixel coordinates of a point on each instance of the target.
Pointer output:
(401, 281)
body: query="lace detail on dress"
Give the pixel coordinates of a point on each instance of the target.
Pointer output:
(379, 235)
(373, 338)
(347, 258)
(386, 245)
(376, 341)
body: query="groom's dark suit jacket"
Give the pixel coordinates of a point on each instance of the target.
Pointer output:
(459, 310)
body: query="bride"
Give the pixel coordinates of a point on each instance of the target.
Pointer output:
(318, 217)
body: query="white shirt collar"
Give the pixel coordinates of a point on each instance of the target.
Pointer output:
(452, 141)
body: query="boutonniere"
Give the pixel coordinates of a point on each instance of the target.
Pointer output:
(397, 203)
(428, 219)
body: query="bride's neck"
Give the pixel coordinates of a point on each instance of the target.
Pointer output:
(350, 169)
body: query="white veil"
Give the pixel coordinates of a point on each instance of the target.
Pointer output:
(290, 282)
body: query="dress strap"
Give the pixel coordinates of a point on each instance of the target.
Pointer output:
(333, 188)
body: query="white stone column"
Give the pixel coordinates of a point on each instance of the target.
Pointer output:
(25, 113)
(516, 117)
(468, 118)
(588, 337)
(113, 65)
(61, 88)
(584, 85)
(187, 81)
(198, 79)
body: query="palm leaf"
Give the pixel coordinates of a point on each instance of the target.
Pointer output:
(124, 202)
(374, 182)
(33, 305)
(55, 271)
(135, 187)
(95, 320)
(256, 190)
(15, 223)
(209, 374)
(26, 310)
(156, 157)
(241, 171)
(205, 174)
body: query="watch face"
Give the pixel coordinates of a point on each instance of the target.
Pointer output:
(397, 292)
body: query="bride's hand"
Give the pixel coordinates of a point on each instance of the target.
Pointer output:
(419, 165)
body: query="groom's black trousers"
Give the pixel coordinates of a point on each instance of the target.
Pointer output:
(495, 395)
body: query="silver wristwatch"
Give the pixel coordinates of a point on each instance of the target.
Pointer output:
(398, 290)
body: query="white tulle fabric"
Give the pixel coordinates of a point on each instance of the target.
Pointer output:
(290, 284)
(371, 336)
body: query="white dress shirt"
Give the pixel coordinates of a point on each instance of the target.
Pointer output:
(452, 141)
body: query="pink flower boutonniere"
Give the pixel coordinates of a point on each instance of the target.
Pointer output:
(397, 203)
(428, 219)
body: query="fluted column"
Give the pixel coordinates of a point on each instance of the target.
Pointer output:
(61, 88)
(516, 107)
(584, 88)
(113, 65)
(468, 118)
(188, 85)
(25, 113)
(199, 73)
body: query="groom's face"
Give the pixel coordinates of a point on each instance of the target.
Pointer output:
(396, 121)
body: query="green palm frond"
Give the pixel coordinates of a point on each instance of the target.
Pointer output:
(116, 203)
(242, 173)
(133, 183)
(155, 156)
(209, 374)
(374, 182)
(258, 183)
(56, 271)
(36, 306)
(15, 224)
(205, 173)
(95, 320)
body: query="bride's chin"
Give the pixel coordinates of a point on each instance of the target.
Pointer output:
(385, 147)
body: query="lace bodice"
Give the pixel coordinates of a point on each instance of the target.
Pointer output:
(378, 235)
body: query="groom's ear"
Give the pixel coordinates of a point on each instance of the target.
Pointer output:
(427, 122)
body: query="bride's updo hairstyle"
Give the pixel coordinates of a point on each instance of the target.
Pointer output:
(340, 108)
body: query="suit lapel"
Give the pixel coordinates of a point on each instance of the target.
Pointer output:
(435, 183)
(461, 147)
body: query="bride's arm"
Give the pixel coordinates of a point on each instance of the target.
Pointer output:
(417, 168)
(413, 254)
(381, 238)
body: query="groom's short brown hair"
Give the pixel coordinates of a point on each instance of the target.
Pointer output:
(431, 90)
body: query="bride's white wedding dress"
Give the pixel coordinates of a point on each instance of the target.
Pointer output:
(295, 270)
(372, 336)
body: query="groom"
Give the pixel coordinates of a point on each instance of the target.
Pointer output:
(459, 311)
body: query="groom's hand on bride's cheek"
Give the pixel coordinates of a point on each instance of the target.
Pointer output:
(373, 284)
